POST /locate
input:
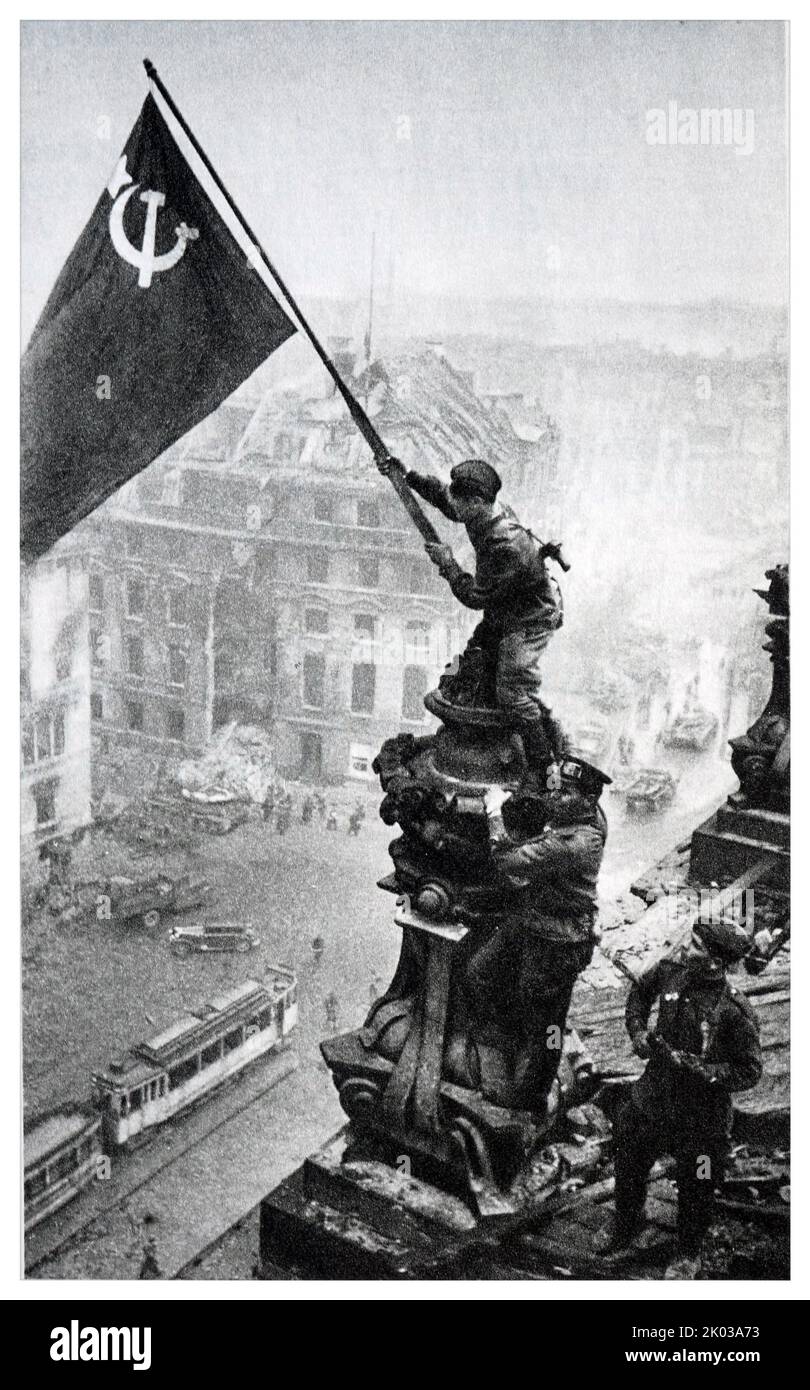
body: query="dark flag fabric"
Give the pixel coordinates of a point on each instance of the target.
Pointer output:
(157, 316)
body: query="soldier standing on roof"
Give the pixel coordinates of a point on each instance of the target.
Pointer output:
(521, 602)
(705, 1046)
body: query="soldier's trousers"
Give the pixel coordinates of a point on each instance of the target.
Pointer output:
(641, 1138)
(522, 978)
(511, 665)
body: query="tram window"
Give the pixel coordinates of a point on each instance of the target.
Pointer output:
(209, 1055)
(233, 1040)
(124, 1105)
(135, 1099)
(153, 1090)
(265, 1018)
(35, 1184)
(183, 1072)
(62, 1166)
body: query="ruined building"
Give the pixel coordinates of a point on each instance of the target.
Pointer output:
(263, 571)
(54, 695)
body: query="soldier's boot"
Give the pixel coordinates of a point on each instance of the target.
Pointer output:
(619, 1235)
(536, 752)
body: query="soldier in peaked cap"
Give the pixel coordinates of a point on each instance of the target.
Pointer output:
(521, 602)
(547, 848)
(705, 1046)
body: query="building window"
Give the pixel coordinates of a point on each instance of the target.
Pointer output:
(64, 664)
(314, 666)
(96, 594)
(135, 716)
(419, 577)
(316, 620)
(134, 651)
(178, 607)
(134, 541)
(178, 666)
(49, 737)
(28, 745)
(364, 681)
(283, 448)
(317, 566)
(414, 689)
(96, 706)
(223, 666)
(45, 801)
(324, 507)
(136, 598)
(368, 571)
(368, 512)
(417, 644)
(99, 647)
(364, 625)
(172, 488)
(176, 724)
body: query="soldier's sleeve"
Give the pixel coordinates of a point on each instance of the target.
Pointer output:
(499, 573)
(642, 996)
(433, 491)
(742, 1068)
(522, 864)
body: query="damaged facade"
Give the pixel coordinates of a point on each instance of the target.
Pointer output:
(264, 572)
(54, 695)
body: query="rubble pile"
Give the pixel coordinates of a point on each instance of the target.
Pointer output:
(238, 760)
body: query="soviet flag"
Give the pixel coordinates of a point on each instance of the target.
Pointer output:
(157, 316)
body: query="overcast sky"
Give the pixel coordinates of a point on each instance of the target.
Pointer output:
(492, 159)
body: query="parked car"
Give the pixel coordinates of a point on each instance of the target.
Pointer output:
(123, 899)
(216, 936)
(694, 728)
(653, 790)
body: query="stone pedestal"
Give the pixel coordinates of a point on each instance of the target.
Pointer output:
(344, 1216)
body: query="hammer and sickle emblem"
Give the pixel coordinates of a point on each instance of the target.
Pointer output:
(145, 260)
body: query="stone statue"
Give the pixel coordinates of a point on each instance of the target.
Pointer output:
(761, 757)
(464, 1063)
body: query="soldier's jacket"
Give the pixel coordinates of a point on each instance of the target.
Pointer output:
(511, 582)
(551, 879)
(710, 1019)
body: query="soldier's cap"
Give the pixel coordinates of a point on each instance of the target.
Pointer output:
(577, 772)
(723, 937)
(476, 478)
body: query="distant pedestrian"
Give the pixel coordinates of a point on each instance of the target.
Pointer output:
(331, 821)
(307, 807)
(150, 1269)
(318, 944)
(331, 1006)
(283, 821)
(268, 805)
(320, 804)
(355, 821)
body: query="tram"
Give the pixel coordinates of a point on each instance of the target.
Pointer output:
(159, 1078)
(62, 1147)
